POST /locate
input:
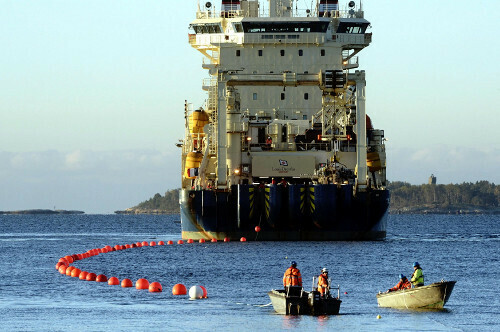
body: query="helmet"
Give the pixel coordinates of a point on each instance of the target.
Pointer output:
(324, 270)
(416, 264)
(401, 276)
(293, 263)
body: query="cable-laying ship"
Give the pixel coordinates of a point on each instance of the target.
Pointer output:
(282, 148)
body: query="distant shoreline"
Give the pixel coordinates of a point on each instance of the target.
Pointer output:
(42, 211)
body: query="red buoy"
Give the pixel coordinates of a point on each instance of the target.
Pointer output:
(257, 229)
(155, 287)
(127, 283)
(75, 257)
(202, 241)
(152, 243)
(108, 248)
(91, 277)
(63, 260)
(161, 243)
(101, 278)
(118, 247)
(128, 246)
(190, 241)
(204, 292)
(179, 289)
(142, 284)
(214, 240)
(80, 257)
(76, 273)
(144, 243)
(226, 239)
(138, 244)
(170, 242)
(59, 264)
(113, 281)
(180, 242)
(83, 275)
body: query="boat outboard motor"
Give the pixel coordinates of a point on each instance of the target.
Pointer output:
(326, 7)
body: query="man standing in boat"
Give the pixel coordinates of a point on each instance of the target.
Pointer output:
(323, 284)
(292, 280)
(417, 278)
(402, 284)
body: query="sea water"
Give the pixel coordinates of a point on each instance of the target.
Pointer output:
(237, 276)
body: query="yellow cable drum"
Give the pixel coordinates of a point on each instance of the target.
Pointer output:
(197, 120)
(193, 160)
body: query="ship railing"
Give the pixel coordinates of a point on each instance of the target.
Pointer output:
(208, 14)
(258, 147)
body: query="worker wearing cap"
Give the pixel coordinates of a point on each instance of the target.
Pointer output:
(417, 278)
(292, 277)
(323, 284)
(402, 284)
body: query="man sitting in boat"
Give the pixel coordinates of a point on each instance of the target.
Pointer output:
(402, 284)
(292, 280)
(323, 284)
(417, 278)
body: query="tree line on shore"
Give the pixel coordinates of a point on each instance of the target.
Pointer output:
(480, 195)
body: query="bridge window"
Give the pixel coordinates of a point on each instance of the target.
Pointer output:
(352, 27)
(280, 27)
(255, 96)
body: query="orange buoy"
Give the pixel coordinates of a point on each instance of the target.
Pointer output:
(108, 247)
(128, 246)
(59, 264)
(127, 283)
(204, 292)
(62, 269)
(80, 257)
(75, 257)
(152, 243)
(101, 278)
(63, 260)
(91, 277)
(170, 242)
(142, 284)
(243, 239)
(180, 242)
(138, 244)
(118, 247)
(69, 259)
(161, 243)
(113, 281)
(83, 275)
(214, 240)
(155, 287)
(202, 241)
(69, 269)
(179, 289)
(190, 241)
(257, 229)
(226, 239)
(99, 250)
(75, 273)
(144, 244)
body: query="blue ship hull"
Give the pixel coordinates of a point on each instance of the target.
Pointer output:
(288, 213)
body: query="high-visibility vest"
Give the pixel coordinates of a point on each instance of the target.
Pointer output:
(417, 278)
(322, 284)
(292, 277)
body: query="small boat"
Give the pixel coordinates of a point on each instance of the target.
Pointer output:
(433, 296)
(304, 303)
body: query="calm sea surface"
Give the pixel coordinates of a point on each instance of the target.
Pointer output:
(35, 297)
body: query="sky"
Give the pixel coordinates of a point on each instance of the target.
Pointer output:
(92, 96)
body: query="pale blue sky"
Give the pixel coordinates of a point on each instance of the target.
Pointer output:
(92, 96)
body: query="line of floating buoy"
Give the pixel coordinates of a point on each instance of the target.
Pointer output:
(63, 266)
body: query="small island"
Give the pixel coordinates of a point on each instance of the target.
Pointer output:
(481, 197)
(42, 211)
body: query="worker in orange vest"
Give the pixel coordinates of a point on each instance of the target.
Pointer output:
(292, 280)
(323, 284)
(402, 284)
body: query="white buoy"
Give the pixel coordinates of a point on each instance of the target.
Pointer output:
(196, 292)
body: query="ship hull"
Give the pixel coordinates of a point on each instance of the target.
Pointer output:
(284, 213)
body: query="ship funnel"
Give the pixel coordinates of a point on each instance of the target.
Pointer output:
(230, 7)
(328, 7)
